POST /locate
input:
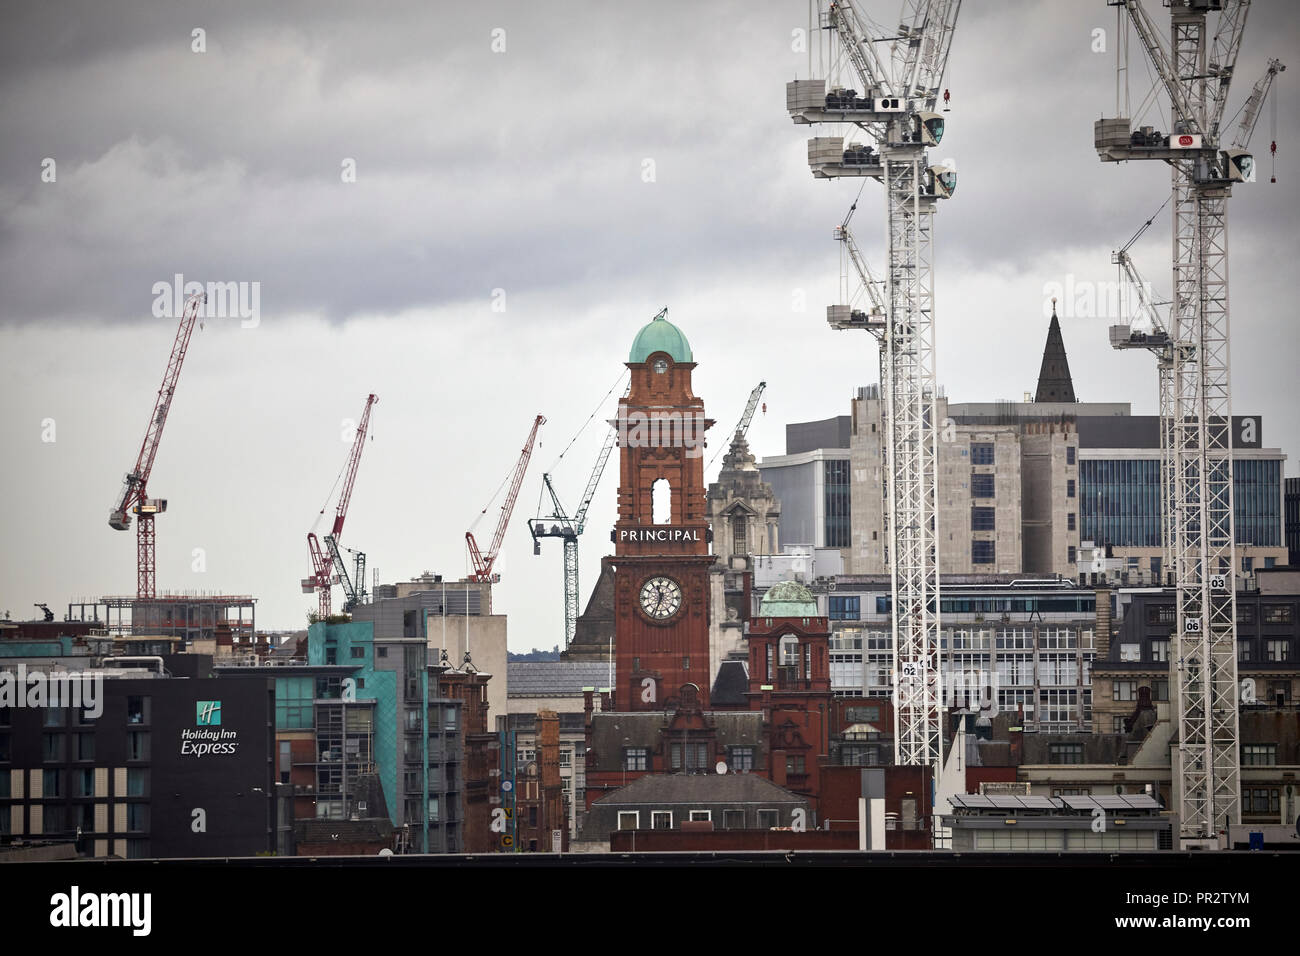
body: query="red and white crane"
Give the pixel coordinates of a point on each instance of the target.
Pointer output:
(483, 562)
(323, 565)
(135, 497)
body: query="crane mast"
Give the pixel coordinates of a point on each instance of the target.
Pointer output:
(134, 498)
(483, 562)
(896, 111)
(559, 525)
(1196, 71)
(328, 567)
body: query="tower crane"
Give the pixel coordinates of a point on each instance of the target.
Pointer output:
(328, 567)
(134, 498)
(896, 110)
(1195, 71)
(742, 426)
(483, 562)
(1155, 339)
(560, 525)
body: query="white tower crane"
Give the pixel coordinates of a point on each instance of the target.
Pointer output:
(1195, 70)
(896, 111)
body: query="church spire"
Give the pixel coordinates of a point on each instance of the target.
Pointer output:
(1054, 382)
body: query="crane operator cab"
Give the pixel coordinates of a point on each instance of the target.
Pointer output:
(1240, 166)
(929, 128)
(940, 182)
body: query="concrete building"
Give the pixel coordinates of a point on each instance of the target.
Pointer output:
(154, 765)
(661, 801)
(1025, 488)
(557, 687)
(452, 616)
(1292, 522)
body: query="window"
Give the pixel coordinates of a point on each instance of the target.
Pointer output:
(1130, 652)
(1161, 614)
(981, 486)
(696, 756)
(137, 710)
(1277, 650)
(636, 758)
(566, 758)
(981, 453)
(381, 652)
(85, 746)
(844, 607)
(794, 764)
(738, 543)
(1270, 562)
(54, 717)
(1071, 555)
(137, 817)
(85, 780)
(661, 501)
(1247, 565)
(836, 503)
(768, 819)
(982, 552)
(661, 819)
(137, 745)
(868, 714)
(4, 748)
(983, 519)
(701, 815)
(137, 782)
(1123, 690)
(1245, 613)
(1259, 755)
(1160, 689)
(293, 703)
(451, 718)
(1243, 651)
(1069, 454)
(1260, 801)
(1065, 753)
(629, 819)
(1070, 522)
(1117, 724)
(52, 784)
(733, 819)
(358, 653)
(740, 759)
(52, 748)
(1069, 488)
(1278, 614)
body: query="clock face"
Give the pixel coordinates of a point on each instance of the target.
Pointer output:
(661, 598)
(660, 366)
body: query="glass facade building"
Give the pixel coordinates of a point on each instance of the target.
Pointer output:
(838, 530)
(1120, 501)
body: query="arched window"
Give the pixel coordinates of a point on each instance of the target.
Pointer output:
(661, 501)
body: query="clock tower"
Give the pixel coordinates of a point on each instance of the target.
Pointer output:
(661, 538)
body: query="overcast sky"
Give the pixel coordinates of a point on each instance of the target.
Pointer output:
(518, 178)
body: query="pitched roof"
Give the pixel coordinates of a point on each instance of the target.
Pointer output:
(554, 678)
(731, 684)
(666, 789)
(1054, 382)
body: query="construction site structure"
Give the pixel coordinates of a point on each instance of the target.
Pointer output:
(134, 499)
(1195, 70)
(328, 566)
(558, 524)
(896, 111)
(483, 562)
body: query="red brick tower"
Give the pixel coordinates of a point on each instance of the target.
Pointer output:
(661, 589)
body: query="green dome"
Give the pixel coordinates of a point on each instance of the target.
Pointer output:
(660, 335)
(788, 599)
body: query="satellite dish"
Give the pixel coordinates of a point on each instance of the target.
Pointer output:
(721, 766)
(385, 853)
